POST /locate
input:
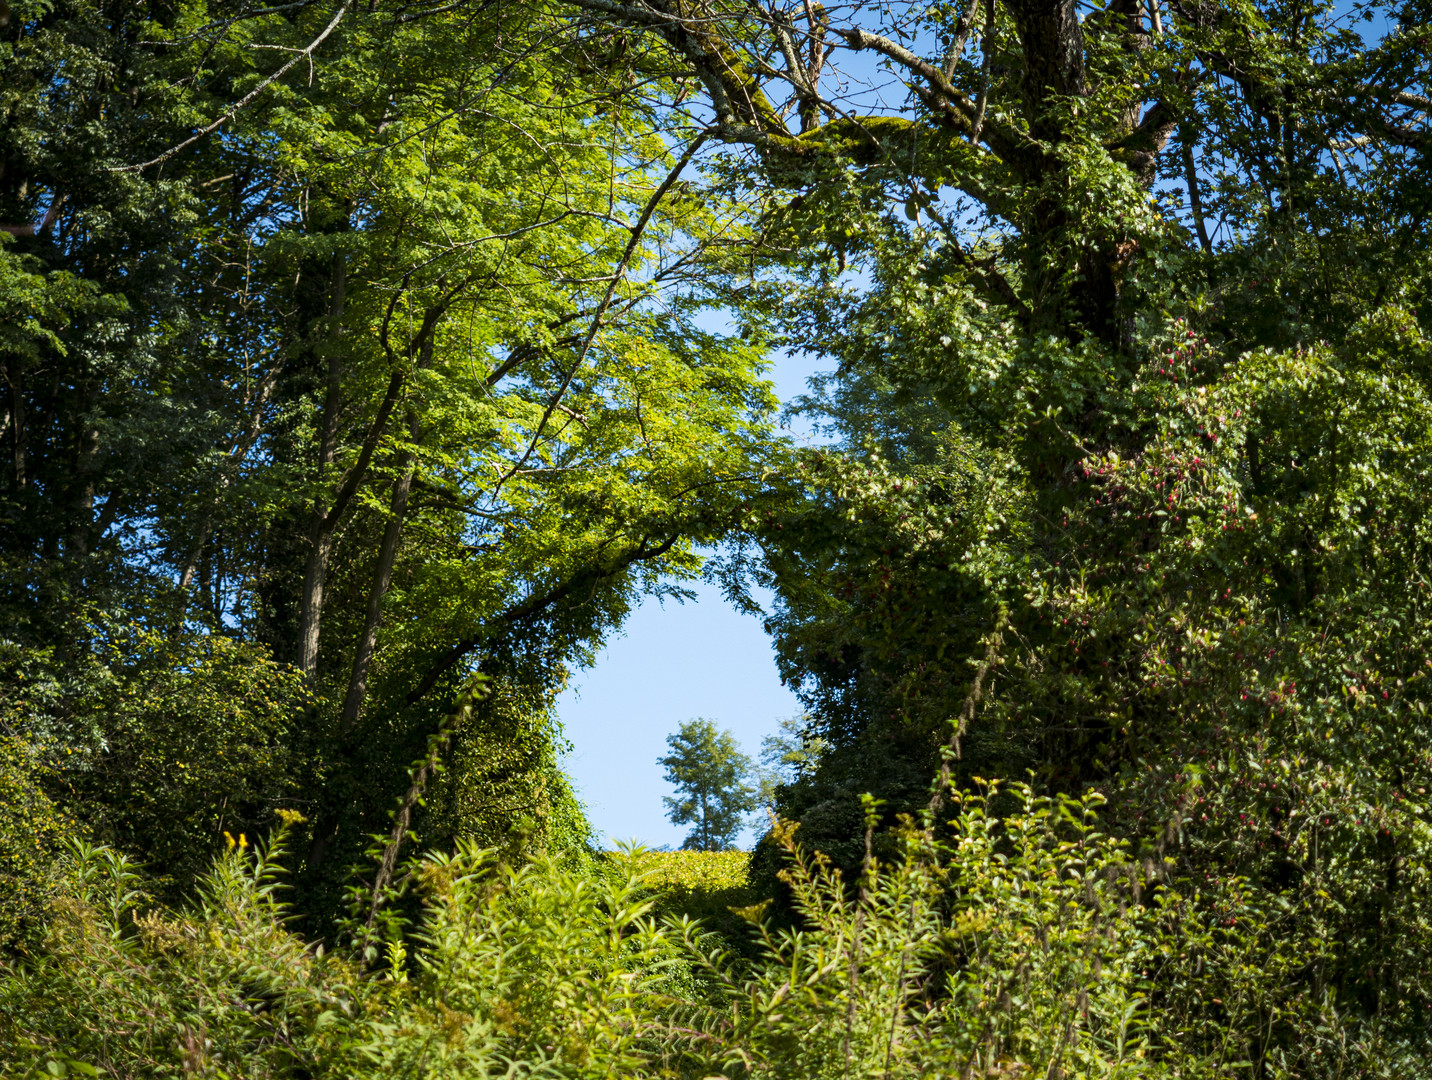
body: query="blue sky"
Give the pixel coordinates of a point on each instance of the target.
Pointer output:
(670, 663)
(674, 662)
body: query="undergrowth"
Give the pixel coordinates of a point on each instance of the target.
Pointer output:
(1028, 944)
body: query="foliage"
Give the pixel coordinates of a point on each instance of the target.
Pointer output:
(197, 740)
(364, 338)
(348, 350)
(505, 784)
(124, 989)
(788, 756)
(1230, 693)
(537, 968)
(1128, 311)
(711, 773)
(33, 835)
(1024, 953)
(707, 886)
(160, 743)
(556, 971)
(1027, 943)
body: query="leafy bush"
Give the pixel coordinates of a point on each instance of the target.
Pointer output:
(540, 969)
(199, 735)
(33, 833)
(157, 743)
(701, 885)
(1016, 948)
(1028, 943)
(503, 783)
(126, 990)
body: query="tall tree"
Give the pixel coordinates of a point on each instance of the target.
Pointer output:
(1131, 315)
(365, 333)
(711, 773)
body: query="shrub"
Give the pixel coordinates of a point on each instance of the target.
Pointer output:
(154, 743)
(701, 885)
(125, 989)
(1025, 944)
(33, 837)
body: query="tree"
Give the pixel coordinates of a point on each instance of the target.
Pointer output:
(709, 769)
(788, 757)
(1132, 407)
(364, 335)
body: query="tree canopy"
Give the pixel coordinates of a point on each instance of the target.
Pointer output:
(1128, 307)
(359, 373)
(394, 375)
(712, 777)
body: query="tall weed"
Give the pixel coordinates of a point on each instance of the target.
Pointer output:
(1023, 943)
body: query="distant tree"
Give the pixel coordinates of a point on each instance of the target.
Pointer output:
(712, 775)
(788, 756)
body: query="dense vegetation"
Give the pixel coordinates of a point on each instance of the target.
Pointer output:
(359, 374)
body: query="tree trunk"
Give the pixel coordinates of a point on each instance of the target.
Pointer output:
(310, 611)
(322, 519)
(382, 578)
(326, 827)
(77, 544)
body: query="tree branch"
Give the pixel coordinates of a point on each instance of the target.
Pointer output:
(246, 100)
(532, 607)
(636, 234)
